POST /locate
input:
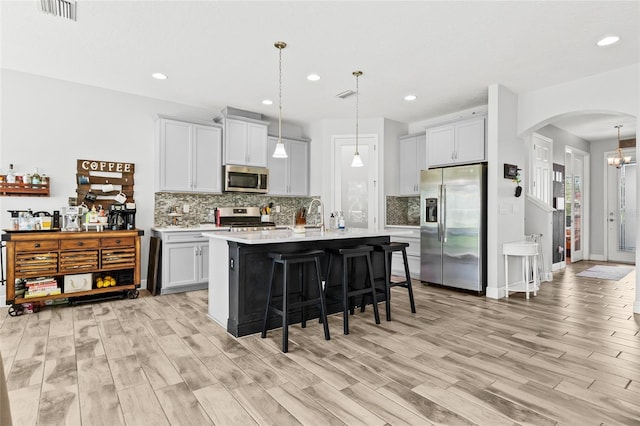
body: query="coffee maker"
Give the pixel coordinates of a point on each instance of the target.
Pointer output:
(121, 217)
(71, 218)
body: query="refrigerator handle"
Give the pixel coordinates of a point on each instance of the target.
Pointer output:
(443, 214)
(440, 213)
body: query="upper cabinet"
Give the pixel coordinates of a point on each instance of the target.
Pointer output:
(289, 176)
(190, 156)
(459, 142)
(245, 138)
(413, 158)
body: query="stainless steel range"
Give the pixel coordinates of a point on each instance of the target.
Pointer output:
(243, 219)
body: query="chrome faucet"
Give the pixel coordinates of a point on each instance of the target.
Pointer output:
(321, 223)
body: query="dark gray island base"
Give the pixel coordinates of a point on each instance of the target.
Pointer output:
(249, 272)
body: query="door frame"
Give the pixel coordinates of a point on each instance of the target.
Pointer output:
(606, 155)
(372, 139)
(586, 202)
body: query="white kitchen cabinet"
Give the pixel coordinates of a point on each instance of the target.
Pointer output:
(289, 176)
(413, 158)
(190, 156)
(413, 254)
(184, 261)
(460, 142)
(245, 142)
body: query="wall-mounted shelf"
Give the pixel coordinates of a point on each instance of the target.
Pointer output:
(24, 189)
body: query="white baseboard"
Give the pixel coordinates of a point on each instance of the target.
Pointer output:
(597, 257)
(547, 277)
(558, 266)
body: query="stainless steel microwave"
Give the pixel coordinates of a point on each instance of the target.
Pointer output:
(246, 179)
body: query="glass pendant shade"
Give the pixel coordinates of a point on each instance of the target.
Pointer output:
(280, 152)
(357, 161)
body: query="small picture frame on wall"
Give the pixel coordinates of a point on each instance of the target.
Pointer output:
(510, 171)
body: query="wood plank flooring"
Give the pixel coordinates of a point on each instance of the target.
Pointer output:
(569, 356)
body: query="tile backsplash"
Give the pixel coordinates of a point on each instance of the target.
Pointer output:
(200, 206)
(403, 210)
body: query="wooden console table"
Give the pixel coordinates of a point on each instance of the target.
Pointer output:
(54, 255)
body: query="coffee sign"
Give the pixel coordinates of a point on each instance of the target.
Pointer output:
(105, 166)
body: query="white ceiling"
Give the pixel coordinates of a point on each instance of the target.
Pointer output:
(219, 53)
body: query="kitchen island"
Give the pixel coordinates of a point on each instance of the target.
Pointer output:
(240, 271)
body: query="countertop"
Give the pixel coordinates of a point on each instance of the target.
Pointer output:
(194, 228)
(288, 236)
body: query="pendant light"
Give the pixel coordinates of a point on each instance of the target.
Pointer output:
(280, 152)
(357, 161)
(619, 160)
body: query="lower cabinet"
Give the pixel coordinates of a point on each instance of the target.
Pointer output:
(184, 261)
(413, 256)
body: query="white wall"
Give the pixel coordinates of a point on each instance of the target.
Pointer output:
(505, 211)
(49, 124)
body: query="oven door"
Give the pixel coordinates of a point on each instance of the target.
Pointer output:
(246, 179)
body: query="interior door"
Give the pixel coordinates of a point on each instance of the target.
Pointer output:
(355, 188)
(621, 213)
(576, 163)
(541, 150)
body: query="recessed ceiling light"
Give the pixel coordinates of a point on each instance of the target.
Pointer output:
(313, 77)
(159, 76)
(608, 40)
(410, 98)
(267, 102)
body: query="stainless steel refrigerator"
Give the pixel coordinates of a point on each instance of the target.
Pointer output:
(453, 223)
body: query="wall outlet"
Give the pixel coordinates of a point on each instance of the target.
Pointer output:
(277, 209)
(185, 208)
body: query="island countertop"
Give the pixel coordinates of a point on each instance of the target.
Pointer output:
(288, 236)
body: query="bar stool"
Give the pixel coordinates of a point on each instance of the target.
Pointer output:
(286, 259)
(388, 250)
(348, 292)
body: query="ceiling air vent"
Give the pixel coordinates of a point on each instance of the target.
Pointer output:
(345, 94)
(63, 8)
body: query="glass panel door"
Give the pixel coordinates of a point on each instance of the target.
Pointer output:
(354, 187)
(621, 213)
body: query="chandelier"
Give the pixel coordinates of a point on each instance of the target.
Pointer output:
(619, 160)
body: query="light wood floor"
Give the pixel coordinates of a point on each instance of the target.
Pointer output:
(569, 356)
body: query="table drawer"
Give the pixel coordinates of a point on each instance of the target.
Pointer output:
(74, 261)
(117, 242)
(36, 245)
(79, 244)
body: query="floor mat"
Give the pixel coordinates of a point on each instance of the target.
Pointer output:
(604, 272)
